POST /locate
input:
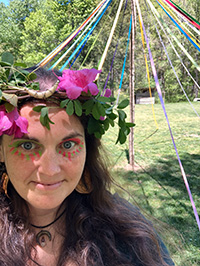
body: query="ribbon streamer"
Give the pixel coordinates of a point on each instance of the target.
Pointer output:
(160, 24)
(163, 106)
(185, 34)
(65, 54)
(175, 72)
(174, 37)
(184, 14)
(82, 42)
(63, 44)
(148, 76)
(120, 34)
(188, 32)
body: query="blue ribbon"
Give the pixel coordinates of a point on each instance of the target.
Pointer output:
(85, 39)
(196, 46)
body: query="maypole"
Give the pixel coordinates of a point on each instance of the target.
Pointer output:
(132, 87)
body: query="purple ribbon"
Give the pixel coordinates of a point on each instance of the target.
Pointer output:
(163, 106)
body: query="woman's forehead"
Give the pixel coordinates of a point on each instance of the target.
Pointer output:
(61, 120)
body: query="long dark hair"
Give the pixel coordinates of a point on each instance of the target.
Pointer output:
(101, 229)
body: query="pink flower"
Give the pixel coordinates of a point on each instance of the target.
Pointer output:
(108, 93)
(12, 123)
(74, 82)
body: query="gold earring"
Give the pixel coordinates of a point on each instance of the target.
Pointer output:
(5, 180)
(84, 186)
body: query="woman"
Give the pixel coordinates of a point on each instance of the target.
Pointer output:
(56, 208)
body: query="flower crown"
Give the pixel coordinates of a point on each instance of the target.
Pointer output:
(77, 93)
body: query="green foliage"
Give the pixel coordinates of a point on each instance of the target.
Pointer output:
(101, 112)
(44, 117)
(11, 78)
(12, 19)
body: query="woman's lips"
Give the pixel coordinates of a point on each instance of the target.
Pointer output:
(43, 186)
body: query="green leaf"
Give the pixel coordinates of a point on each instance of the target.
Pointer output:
(123, 104)
(70, 108)
(7, 57)
(38, 108)
(122, 115)
(130, 124)
(106, 124)
(11, 98)
(0, 93)
(2, 64)
(78, 108)
(64, 103)
(44, 111)
(109, 110)
(103, 99)
(34, 86)
(93, 125)
(112, 116)
(96, 112)
(121, 137)
(97, 135)
(31, 76)
(111, 122)
(18, 64)
(44, 120)
(87, 106)
(9, 107)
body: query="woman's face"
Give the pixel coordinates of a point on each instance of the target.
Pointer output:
(44, 165)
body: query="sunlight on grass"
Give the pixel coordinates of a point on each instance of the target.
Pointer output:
(157, 185)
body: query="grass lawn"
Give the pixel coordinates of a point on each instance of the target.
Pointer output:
(157, 185)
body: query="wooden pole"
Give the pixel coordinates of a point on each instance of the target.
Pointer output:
(132, 88)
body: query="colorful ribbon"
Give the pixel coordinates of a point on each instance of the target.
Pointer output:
(160, 24)
(86, 37)
(173, 36)
(184, 14)
(63, 44)
(163, 106)
(179, 27)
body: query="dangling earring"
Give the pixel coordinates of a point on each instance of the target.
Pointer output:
(84, 186)
(4, 182)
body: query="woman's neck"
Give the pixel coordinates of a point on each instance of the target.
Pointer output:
(43, 217)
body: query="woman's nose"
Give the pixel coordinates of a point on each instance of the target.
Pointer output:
(49, 163)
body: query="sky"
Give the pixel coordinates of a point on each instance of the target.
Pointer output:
(6, 2)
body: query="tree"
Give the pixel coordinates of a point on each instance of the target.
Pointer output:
(12, 19)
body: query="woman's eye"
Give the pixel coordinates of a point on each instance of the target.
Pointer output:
(28, 146)
(68, 144)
